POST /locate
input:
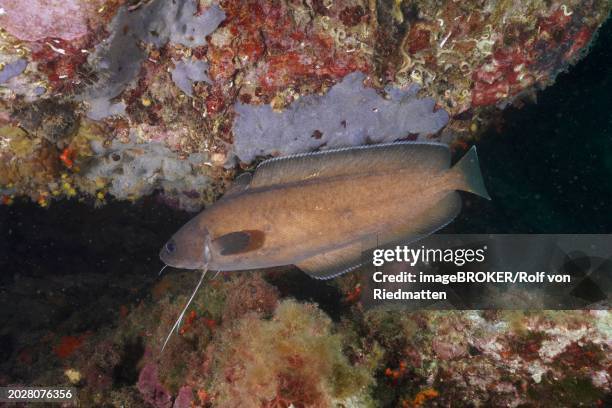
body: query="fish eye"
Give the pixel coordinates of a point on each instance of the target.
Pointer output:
(170, 247)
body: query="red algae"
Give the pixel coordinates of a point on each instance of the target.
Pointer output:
(248, 295)
(282, 51)
(396, 374)
(67, 157)
(188, 322)
(514, 68)
(353, 295)
(68, 345)
(61, 61)
(582, 356)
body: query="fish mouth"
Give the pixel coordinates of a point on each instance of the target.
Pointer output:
(163, 256)
(166, 258)
(166, 252)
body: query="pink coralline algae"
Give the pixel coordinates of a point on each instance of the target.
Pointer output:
(33, 20)
(184, 398)
(151, 389)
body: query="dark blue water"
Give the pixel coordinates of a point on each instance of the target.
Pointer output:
(548, 167)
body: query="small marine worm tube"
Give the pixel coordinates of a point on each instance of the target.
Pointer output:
(485, 46)
(428, 76)
(341, 34)
(350, 48)
(445, 39)
(325, 22)
(566, 11)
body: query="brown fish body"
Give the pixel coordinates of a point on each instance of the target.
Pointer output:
(302, 219)
(328, 208)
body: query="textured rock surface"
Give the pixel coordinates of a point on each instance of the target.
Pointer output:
(291, 352)
(194, 75)
(33, 20)
(138, 169)
(119, 58)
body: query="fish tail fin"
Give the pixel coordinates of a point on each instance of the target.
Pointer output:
(471, 179)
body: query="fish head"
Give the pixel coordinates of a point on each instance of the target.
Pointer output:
(189, 247)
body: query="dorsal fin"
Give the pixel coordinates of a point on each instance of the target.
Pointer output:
(421, 157)
(336, 262)
(240, 184)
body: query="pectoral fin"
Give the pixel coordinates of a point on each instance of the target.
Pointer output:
(239, 242)
(240, 184)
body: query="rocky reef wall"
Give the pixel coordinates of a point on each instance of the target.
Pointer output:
(199, 88)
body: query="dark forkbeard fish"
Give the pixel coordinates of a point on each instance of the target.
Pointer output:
(320, 211)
